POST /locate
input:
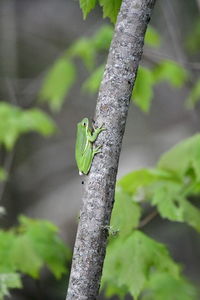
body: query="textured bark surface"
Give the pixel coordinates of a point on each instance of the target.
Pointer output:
(112, 108)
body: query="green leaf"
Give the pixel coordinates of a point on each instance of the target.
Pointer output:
(7, 240)
(9, 124)
(93, 82)
(194, 96)
(172, 204)
(161, 286)
(87, 6)
(110, 9)
(183, 157)
(3, 174)
(84, 49)
(47, 244)
(152, 38)
(9, 281)
(170, 71)
(15, 121)
(103, 37)
(143, 90)
(133, 182)
(112, 289)
(130, 261)
(36, 120)
(167, 187)
(33, 244)
(146, 79)
(126, 213)
(17, 253)
(57, 83)
(25, 258)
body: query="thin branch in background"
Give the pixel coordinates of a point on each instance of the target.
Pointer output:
(148, 219)
(172, 26)
(8, 31)
(198, 4)
(156, 56)
(174, 31)
(11, 91)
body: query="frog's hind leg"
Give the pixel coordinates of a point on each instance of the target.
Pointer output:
(96, 150)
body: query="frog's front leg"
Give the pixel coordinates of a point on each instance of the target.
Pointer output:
(93, 136)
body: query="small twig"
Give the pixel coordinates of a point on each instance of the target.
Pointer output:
(148, 219)
(198, 4)
(155, 57)
(11, 91)
(171, 23)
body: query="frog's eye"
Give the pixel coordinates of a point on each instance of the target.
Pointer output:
(84, 124)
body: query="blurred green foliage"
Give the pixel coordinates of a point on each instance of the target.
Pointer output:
(135, 263)
(57, 83)
(166, 70)
(33, 244)
(27, 248)
(194, 96)
(92, 83)
(132, 261)
(161, 286)
(3, 174)
(171, 183)
(87, 6)
(152, 38)
(62, 74)
(15, 121)
(143, 90)
(146, 79)
(110, 9)
(126, 213)
(170, 71)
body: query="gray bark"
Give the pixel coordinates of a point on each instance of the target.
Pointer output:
(111, 110)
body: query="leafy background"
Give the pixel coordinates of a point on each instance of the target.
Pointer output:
(51, 66)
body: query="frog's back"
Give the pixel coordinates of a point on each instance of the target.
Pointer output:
(85, 160)
(80, 139)
(80, 145)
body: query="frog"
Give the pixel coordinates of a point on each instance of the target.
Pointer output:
(85, 151)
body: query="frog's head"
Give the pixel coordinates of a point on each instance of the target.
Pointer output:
(85, 123)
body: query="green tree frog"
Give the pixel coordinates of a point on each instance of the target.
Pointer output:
(84, 145)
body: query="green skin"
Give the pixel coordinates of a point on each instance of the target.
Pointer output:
(84, 145)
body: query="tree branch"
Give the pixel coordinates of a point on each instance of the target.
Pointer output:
(112, 108)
